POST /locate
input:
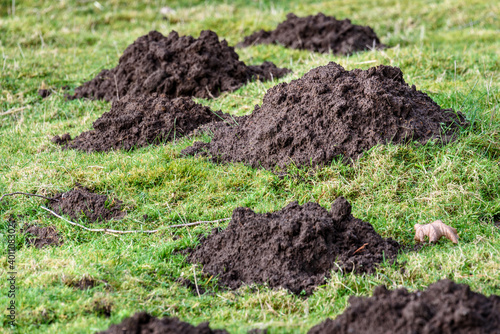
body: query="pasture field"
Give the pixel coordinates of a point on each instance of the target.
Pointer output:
(449, 49)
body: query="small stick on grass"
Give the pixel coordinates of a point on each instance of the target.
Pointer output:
(12, 111)
(195, 282)
(26, 194)
(107, 230)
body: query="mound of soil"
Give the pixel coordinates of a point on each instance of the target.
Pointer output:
(294, 248)
(42, 236)
(144, 323)
(331, 112)
(176, 66)
(318, 33)
(81, 202)
(139, 121)
(445, 307)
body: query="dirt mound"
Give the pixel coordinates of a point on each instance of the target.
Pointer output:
(445, 307)
(80, 202)
(139, 121)
(294, 248)
(332, 112)
(145, 323)
(318, 33)
(42, 236)
(176, 66)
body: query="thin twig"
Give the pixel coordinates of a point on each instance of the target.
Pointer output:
(360, 249)
(20, 193)
(132, 231)
(12, 111)
(209, 93)
(195, 282)
(116, 85)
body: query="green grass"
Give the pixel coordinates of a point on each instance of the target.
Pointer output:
(449, 49)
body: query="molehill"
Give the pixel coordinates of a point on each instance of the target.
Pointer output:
(176, 66)
(80, 202)
(318, 33)
(444, 307)
(139, 121)
(145, 323)
(329, 113)
(294, 248)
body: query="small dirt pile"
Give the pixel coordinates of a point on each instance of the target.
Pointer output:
(40, 237)
(139, 121)
(445, 307)
(80, 202)
(44, 93)
(331, 112)
(318, 33)
(176, 66)
(144, 323)
(294, 248)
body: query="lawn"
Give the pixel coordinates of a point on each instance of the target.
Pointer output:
(448, 49)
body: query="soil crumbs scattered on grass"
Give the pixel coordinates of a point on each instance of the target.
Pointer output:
(80, 202)
(294, 248)
(136, 122)
(445, 307)
(331, 112)
(176, 66)
(84, 284)
(145, 323)
(318, 33)
(42, 236)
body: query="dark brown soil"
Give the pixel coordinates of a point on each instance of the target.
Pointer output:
(331, 112)
(44, 93)
(139, 121)
(85, 283)
(42, 236)
(318, 33)
(294, 248)
(102, 308)
(445, 307)
(80, 202)
(176, 66)
(145, 323)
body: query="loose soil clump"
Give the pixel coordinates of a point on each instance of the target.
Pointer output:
(176, 66)
(135, 122)
(80, 202)
(318, 33)
(40, 237)
(294, 248)
(44, 93)
(145, 323)
(329, 113)
(445, 307)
